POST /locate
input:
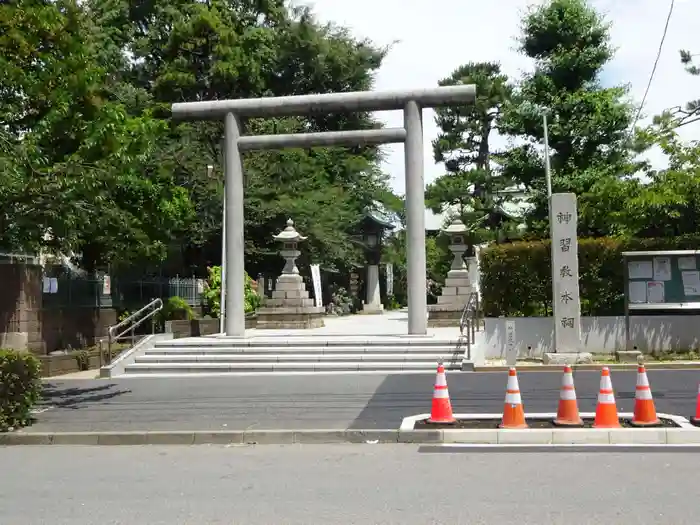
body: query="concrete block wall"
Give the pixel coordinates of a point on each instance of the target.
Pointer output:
(20, 307)
(534, 335)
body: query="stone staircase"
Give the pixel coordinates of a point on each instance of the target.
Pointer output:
(297, 353)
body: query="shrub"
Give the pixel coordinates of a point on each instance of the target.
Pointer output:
(20, 388)
(391, 303)
(212, 293)
(176, 309)
(82, 358)
(516, 278)
(341, 302)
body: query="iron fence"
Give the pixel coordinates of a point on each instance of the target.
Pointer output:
(116, 292)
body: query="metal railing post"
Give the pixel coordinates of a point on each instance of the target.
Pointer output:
(132, 322)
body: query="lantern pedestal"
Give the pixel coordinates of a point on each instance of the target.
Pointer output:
(458, 286)
(373, 304)
(290, 306)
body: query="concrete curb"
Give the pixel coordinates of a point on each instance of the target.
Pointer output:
(686, 365)
(686, 434)
(481, 437)
(233, 437)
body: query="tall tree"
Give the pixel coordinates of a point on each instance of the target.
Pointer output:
(82, 168)
(470, 183)
(187, 51)
(569, 43)
(691, 112)
(667, 202)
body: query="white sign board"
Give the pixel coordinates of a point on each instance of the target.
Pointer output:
(316, 277)
(389, 279)
(106, 285)
(50, 285)
(511, 348)
(565, 290)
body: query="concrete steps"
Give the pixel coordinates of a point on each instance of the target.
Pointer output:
(297, 354)
(293, 350)
(297, 358)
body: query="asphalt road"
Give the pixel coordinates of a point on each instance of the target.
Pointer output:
(342, 484)
(359, 401)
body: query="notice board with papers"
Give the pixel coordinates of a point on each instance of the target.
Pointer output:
(661, 281)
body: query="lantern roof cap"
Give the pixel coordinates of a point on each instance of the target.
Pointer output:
(289, 234)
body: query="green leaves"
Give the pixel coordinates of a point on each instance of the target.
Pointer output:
(212, 293)
(84, 169)
(471, 186)
(20, 388)
(90, 157)
(588, 125)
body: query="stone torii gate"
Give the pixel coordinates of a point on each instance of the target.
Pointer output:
(411, 135)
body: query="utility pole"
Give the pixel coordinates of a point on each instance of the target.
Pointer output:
(222, 307)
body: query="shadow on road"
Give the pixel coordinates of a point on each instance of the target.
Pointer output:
(396, 397)
(57, 395)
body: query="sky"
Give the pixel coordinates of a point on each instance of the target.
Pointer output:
(432, 38)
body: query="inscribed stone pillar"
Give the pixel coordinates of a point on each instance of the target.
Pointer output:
(565, 289)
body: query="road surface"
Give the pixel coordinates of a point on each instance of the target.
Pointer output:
(342, 484)
(359, 401)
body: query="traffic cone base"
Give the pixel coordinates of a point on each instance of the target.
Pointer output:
(513, 411)
(567, 415)
(441, 410)
(606, 409)
(696, 419)
(644, 409)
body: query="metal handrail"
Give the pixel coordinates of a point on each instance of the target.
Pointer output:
(470, 321)
(132, 322)
(469, 307)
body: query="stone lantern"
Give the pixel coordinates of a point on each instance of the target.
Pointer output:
(289, 237)
(458, 288)
(373, 227)
(290, 305)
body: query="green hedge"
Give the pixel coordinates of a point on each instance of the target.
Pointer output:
(516, 278)
(20, 388)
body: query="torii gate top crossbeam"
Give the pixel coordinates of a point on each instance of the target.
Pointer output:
(354, 101)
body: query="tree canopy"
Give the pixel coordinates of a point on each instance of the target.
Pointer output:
(470, 185)
(92, 164)
(594, 152)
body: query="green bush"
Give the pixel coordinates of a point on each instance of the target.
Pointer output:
(20, 388)
(176, 309)
(391, 303)
(212, 293)
(516, 278)
(341, 302)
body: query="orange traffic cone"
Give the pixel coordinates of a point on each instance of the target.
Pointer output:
(513, 411)
(696, 420)
(568, 415)
(606, 411)
(644, 409)
(441, 411)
